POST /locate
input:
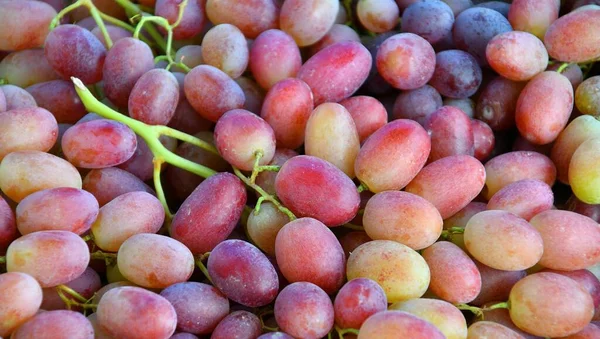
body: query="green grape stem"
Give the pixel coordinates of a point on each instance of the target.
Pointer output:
(154, 34)
(203, 269)
(354, 227)
(109, 258)
(79, 301)
(478, 311)
(94, 12)
(2, 260)
(343, 331)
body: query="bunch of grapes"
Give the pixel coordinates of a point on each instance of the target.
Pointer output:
(309, 169)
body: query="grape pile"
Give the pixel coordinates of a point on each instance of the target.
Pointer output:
(309, 169)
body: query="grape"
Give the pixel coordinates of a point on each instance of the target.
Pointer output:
(460, 218)
(211, 92)
(466, 105)
(582, 24)
(368, 114)
(189, 55)
(392, 156)
(263, 227)
(2, 101)
(457, 74)
(488, 329)
(16, 97)
(458, 6)
(454, 276)
(403, 217)
(224, 47)
(183, 335)
(63, 208)
(133, 312)
(324, 267)
(74, 51)
(583, 173)
(99, 143)
(25, 24)
(240, 134)
(587, 97)
(154, 97)
(544, 107)
(336, 72)
(26, 172)
(133, 212)
(266, 179)
(327, 194)
(570, 240)
(507, 55)
(449, 183)
(210, 213)
(185, 118)
(125, 63)
(451, 133)
(53, 324)
(430, 19)
(503, 241)
(58, 97)
(39, 124)
(406, 61)
(251, 17)
(20, 300)
(497, 103)
(514, 166)
(498, 6)
(337, 33)
(155, 261)
(275, 335)
(86, 285)
(533, 16)
(27, 67)
(357, 300)
(274, 56)
(398, 324)
(115, 33)
(192, 21)
(524, 198)
(399, 270)
(533, 305)
(417, 104)
(483, 139)
(577, 206)
(307, 21)
(502, 316)
(99, 333)
(8, 227)
(182, 182)
(590, 331)
(255, 95)
(495, 284)
(243, 273)
(51, 257)
(403, 4)
(475, 27)
(378, 16)
(586, 278)
(445, 316)
(304, 310)
(141, 162)
(332, 136)
(287, 107)
(200, 307)
(108, 183)
(238, 324)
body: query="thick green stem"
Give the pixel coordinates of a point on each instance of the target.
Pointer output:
(343, 331)
(473, 309)
(170, 132)
(354, 227)
(156, 36)
(149, 133)
(158, 162)
(80, 301)
(504, 304)
(362, 187)
(202, 268)
(562, 67)
(96, 15)
(94, 12)
(109, 258)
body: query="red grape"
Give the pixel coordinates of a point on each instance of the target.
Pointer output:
(524, 198)
(58, 97)
(39, 125)
(239, 325)
(108, 183)
(307, 21)
(46, 325)
(457, 74)
(25, 24)
(582, 24)
(274, 56)
(417, 104)
(357, 300)
(192, 21)
(252, 17)
(533, 16)
(27, 67)
(517, 56)
(20, 300)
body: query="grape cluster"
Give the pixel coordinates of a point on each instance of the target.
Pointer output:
(365, 169)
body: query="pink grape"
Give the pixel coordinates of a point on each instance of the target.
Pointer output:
(451, 133)
(16, 97)
(586, 278)
(488, 329)
(192, 21)
(8, 226)
(134, 212)
(417, 104)
(524, 198)
(533, 16)
(368, 114)
(266, 179)
(495, 284)
(251, 17)
(115, 33)
(337, 33)
(62, 208)
(255, 95)
(274, 56)
(392, 156)
(210, 213)
(154, 97)
(432, 20)
(108, 183)
(503, 51)
(356, 301)
(130, 312)
(238, 324)
(224, 47)
(26, 172)
(41, 127)
(307, 21)
(445, 316)
(200, 307)
(240, 134)
(378, 16)
(44, 325)
(454, 276)
(325, 267)
(457, 74)
(58, 97)
(304, 310)
(580, 23)
(51, 257)
(327, 194)
(483, 139)
(406, 61)
(20, 300)
(287, 107)
(141, 162)
(394, 324)
(25, 24)
(27, 67)
(336, 72)
(87, 284)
